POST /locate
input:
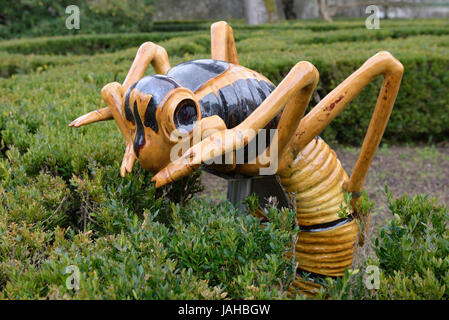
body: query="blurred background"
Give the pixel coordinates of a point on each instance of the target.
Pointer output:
(45, 17)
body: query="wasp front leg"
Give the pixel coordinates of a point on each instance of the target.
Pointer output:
(302, 76)
(207, 127)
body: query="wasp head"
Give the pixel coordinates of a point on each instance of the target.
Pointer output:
(153, 115)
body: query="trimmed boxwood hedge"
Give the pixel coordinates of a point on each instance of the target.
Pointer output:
(421, 111)
(84, 44)
(94, 44)
(411, 254)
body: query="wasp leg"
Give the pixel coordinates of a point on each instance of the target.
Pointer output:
(91, 117)
(300, 78)
(205, 128)
(112, 94)
(148, 53)
(288, 123)
(383, 63)
(222, 43)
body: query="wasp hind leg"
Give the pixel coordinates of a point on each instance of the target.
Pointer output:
(381, 64)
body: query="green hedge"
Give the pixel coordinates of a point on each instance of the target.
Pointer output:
(11, 64)
(157, 251)
(48, 17)
(247, 39)
(317, 25)
(84, 44)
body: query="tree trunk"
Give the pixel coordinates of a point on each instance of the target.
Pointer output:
(324, 10)
(288, 9)
(280, 10)
(255, 12)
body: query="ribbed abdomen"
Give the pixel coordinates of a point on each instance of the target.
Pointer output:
(326, 241)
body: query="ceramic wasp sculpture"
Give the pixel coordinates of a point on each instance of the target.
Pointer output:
(235, 102)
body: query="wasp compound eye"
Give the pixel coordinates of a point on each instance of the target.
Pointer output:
(185, 115)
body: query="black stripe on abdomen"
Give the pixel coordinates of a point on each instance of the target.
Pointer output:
(235, 102)
(139, 140)
(326, 226)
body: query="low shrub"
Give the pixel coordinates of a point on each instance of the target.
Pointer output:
(11, 64)
(48, 17)
(84, 44)
(411, 252)
(248, 40)
(203, 253)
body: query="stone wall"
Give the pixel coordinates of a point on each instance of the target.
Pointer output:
(303, 9)
(308, 9)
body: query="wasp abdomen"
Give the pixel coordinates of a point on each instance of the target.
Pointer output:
(326, 241)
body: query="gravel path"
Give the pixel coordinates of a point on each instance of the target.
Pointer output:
(404, 169)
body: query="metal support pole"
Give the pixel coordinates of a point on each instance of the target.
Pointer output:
(268, 189)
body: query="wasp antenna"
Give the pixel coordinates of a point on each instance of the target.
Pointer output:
(128, 160)
(91, 117)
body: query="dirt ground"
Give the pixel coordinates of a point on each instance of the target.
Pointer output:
(404, 169)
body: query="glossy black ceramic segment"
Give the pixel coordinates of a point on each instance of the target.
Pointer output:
(326, 226)
(128, 113)
(234, 103)
(193, 74)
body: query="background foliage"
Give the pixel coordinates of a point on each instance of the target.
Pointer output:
(47, 17)
(411, 252)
